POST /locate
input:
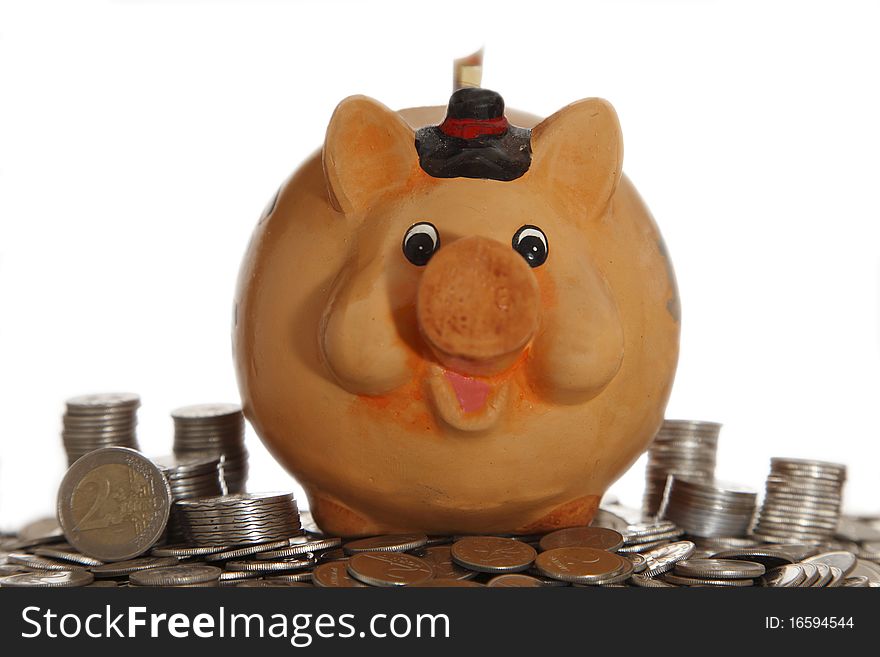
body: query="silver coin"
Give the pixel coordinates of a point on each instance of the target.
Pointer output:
(113, 504)
(43, 579)
(680, 580)
(784, 576)
(176, 575)
(245, 500)
(797, 551)
(389, 569)
(246, 551)
(230, 577)
(837, 577)
(859, 581)
(824, 575)
(38, 532)
(336, 554)
(637, 548)
(869, 550)
(37, 563)
(846, 561)
(769, 556)
(719, 569)
(302, 562)
(200, 412)
(867, 569)
(265, 584)
(644, 581)
(638, 561)
(301, 576)
(67, 555)
(610, 520)
(11, 569)
(101, 401)
(132, 565)
(647, 531)
(811, 573)
(298, 548)
(389, 543)
(663, 559)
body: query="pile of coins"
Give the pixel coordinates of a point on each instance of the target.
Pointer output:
(802, 501)
(592, 556)
(91, 422)
(681, 447)
(704, 508)
(238, 519)
(214, 429)
(114, 505)
(190, 477)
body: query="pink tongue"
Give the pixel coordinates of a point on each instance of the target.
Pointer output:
(472, 393)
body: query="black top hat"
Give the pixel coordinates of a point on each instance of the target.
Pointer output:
(475, 140)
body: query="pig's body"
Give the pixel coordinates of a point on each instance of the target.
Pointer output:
(353, 393)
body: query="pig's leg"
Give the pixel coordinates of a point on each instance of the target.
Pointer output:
(336, 519)
(576, 513)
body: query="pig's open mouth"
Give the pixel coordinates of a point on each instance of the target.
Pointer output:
(465, 402)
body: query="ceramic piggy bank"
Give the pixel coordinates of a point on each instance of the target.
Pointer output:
(454, 325)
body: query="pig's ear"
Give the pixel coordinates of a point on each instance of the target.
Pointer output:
(369, 150)
(579, 151)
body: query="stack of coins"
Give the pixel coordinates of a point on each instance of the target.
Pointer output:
(646, 536)
(101, 420)
(802, 501)
(190, 477)
(708, 509)
(216, 429)
(681, 447)
(715, 572)
(239, 519)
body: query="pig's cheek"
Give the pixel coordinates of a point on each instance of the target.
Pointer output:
(579, 347)
(360, 343)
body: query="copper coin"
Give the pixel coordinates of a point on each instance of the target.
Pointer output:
(514, 580)
(440, 559)
(389, 569)
(492, 554)
(582, 565)
(594, 537)
(334, 574)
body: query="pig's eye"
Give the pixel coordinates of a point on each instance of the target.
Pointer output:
(420, 242)
(531, 243)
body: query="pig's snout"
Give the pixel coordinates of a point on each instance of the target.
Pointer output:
(478, 305)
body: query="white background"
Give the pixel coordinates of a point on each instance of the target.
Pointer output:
(140, 140)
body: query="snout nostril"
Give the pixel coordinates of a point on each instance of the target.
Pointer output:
(477, 302)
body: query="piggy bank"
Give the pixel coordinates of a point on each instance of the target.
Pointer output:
(456, 325)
